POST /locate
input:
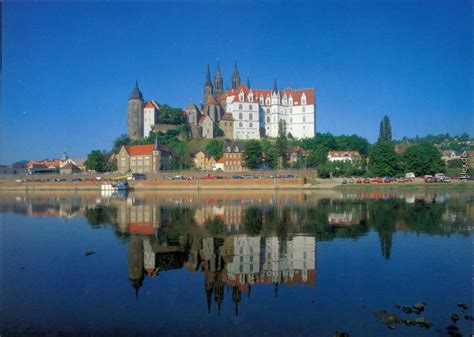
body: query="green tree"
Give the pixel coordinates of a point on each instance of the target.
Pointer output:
(422, 159)
(218, 132)
(385, 133)
(354, 143)
(97, 161)
(383, 159)
(119, 142)
(281, 145)
(169, 115)
(252, 153)
(215, 148)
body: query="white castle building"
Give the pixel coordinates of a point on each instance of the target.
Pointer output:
(255, 109)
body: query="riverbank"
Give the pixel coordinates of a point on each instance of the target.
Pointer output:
(230, 184)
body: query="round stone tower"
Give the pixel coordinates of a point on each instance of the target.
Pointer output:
(135, 114)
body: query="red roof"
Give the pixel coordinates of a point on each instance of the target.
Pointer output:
(148, 105)
(339, 154)
(296, 94)
(46, 163)
(221, 161)
(139, 150)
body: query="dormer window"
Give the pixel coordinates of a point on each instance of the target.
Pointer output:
(267, 101)
(250, 97)
(303, 99)
(228, 149)
(290, 101)
(236, 149)
(261, 100)
(241, 95)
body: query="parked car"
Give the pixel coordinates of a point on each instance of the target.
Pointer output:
(236, 177)
(367, 181)
(359, 181)
(410, 175)
(446, 180)
(351, 181)
(429, 179)
(344, 181)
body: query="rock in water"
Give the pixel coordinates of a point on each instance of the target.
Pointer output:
(397, 306)
(387, 318)
(89, 252)
(455, 317)
(419, 307)
(407, 310)
(423, 322)
(340, 334)
(462, 305)
(469, 317)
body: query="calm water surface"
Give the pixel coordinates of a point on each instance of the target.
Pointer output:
(233, 264)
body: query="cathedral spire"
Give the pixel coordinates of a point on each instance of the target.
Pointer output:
(208, 77)
(235, 77)
(275, 89)
(218, 82)
(208, 89)
(248, 81)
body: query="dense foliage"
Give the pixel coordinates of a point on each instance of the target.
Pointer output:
(97, 161)
(215, 148)
(422, 159)
(169, 115)
(383, 159)
(385, 133)
(252, 153)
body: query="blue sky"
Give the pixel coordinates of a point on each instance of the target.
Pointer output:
(68, 68)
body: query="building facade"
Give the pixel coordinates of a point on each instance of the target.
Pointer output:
(144, 158)
(233, 156)
(150, 116)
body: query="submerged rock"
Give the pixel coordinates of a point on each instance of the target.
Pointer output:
(423, 322)
(89, 252)
(419, 307)
(469, 317)
(407, 310)
(409, 322)
(387, 317)
(340, 334)
(452, 328)
(454, 317)
(397, 306)
(462, 305)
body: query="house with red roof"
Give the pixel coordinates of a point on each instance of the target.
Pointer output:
(150, 116)
(144, 158)
(343, 155)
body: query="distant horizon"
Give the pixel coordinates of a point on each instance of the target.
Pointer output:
(66, 85)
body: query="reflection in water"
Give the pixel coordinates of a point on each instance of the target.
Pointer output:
(241, 241)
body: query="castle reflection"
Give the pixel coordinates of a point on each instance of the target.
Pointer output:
(240, 240)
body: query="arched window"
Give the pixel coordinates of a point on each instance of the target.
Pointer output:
(268, 119)
(240, 106)
(241, 116)
(250, 125)
(303, 99)
(267, 101)
(251, 116)
(290, 101)
(268, 111)
(240, 124)
(250, 107)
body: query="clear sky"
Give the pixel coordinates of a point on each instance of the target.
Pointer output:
(68, 69)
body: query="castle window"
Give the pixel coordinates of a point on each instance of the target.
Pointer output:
(250, 125)
(240, 106)
(261, 100)
(304, 119)
(240, 124)
(241, 116)
(268, 111)
(250, 106)
(250, 116)
(304, 109)
(268, 101)
(291, 110)
(291, 120)
(303, 99)
(291, 101)
(268, 119)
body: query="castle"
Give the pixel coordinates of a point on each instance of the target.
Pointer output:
(237, 113)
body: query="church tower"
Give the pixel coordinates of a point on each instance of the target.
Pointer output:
(235, 77)
(208, 88)
(218, 82)
(135, 114)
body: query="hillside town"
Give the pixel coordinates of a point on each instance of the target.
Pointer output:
(242, 128)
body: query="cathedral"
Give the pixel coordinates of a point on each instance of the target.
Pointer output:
(239, 112)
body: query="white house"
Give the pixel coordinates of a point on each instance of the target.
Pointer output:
(343, 155)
